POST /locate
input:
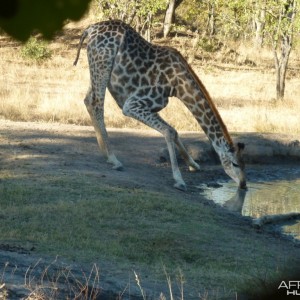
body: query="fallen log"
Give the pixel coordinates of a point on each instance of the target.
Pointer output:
(274, 219)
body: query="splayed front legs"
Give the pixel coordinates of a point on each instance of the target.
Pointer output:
(135, 108)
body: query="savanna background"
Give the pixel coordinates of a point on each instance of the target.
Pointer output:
(59, 198)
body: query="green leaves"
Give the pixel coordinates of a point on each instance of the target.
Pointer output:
(20, 17)
(151, 7)
(36, 50)
(127, 10)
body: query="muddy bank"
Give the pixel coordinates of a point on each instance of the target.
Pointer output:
(259, 148)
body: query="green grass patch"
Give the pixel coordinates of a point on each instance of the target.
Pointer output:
(79, 217)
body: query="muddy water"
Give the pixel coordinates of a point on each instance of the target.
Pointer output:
(271, 190)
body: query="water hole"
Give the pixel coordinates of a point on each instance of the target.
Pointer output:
(272, 190)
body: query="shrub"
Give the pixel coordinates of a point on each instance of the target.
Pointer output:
(36, 50)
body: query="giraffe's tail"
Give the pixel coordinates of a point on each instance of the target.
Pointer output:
(83, 36)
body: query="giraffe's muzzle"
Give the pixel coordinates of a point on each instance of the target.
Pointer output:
(243, 185)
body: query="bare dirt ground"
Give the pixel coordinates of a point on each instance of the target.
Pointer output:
(51, 147)
(28, 149)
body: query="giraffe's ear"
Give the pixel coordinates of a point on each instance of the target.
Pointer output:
(241, 146)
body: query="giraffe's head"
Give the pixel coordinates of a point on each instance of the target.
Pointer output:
(234, 165)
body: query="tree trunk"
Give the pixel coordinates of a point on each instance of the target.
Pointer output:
(211, 20)
(259, 24)
(169, 16)
(281, 65)
(285, 38)
(145, 29)
(195, 46)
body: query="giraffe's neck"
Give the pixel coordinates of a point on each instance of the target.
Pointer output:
(197, 99)
(209, 119)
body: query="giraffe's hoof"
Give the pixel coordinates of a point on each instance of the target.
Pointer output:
(180, 186)
(118, 167)
(114, 161)
(194, 168)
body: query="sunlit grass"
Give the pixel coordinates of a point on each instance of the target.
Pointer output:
(54, 91)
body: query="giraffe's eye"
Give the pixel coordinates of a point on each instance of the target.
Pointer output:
(235, 165)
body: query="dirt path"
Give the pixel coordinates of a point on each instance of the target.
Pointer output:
(37, 148)
(56, 147)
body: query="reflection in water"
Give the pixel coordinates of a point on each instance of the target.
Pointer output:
(236, 202)
(261, 199)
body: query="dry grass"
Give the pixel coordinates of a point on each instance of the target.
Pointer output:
(53, 92)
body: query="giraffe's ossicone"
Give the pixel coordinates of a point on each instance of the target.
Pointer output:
(141, 77)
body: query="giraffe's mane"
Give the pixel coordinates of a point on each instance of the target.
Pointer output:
(208, 99)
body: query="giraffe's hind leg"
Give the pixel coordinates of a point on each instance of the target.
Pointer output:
(100, 70)
(95, 108)
(193, 166)
(137, 109)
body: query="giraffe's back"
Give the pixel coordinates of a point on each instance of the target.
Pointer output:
(138, 68)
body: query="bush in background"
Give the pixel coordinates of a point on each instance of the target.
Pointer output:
(36, 50)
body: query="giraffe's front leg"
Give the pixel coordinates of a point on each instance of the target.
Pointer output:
(137, 109)
(96, 112)
(169, 136)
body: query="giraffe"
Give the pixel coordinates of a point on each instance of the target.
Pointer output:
(141, 77)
